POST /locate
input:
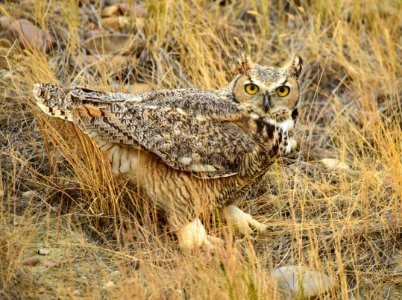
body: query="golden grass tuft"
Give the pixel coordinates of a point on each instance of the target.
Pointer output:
(345, 223)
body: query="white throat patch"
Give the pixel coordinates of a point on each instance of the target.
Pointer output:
(285, 125)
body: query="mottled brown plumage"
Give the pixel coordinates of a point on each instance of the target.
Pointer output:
(190, 151)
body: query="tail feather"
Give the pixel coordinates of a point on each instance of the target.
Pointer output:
(91, 110)
(85, 108)
(68, 104)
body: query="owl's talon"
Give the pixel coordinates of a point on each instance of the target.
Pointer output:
(194, 235)
(245, 223)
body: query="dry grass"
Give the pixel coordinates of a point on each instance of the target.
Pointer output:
(346, 223)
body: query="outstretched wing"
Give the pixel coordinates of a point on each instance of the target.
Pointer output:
(190, 130)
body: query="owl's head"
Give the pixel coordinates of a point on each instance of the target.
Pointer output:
(267, 91)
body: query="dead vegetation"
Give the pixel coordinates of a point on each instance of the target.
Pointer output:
(58, 192)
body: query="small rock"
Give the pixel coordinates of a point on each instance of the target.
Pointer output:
(92, 59)
(115, 276)
(1, 193)
(50, 264)
(113, 10)
(28, 35)
(111, 43)
(29, 195)
(300, 282)
(91, 33)
(43, 251)
(334, 164)
(121, 9)
(116, 23)
(31, 261)
(109, 11)
(109, 285)
(138, 10)
(5, 22)
(301, 10)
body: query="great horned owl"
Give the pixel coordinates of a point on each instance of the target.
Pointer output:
(190, 151)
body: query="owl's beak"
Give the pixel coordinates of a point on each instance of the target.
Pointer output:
(267, 102)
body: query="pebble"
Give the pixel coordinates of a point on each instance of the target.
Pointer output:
(300, 282)
(43, 251)
(29, 195)
(28, 35)
(31, 261)
(110, 43)
(5, 22)
(109, 11)
(115, 276)
(109, 285)
(334, 164)
(116, 23)
(136, 10)
(50, 264)
(113, 10)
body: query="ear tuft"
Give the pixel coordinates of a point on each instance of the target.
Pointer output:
(295, 66)
(242, 64)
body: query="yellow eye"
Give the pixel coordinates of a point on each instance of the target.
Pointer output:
(252, 89)
(282, 91)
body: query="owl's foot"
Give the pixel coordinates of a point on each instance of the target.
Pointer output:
(291, 145)
(193, 235)
(245, 223)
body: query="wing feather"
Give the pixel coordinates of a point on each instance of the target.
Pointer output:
(190, 130)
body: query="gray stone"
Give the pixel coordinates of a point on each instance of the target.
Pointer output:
(43, 251)
(300, 282)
